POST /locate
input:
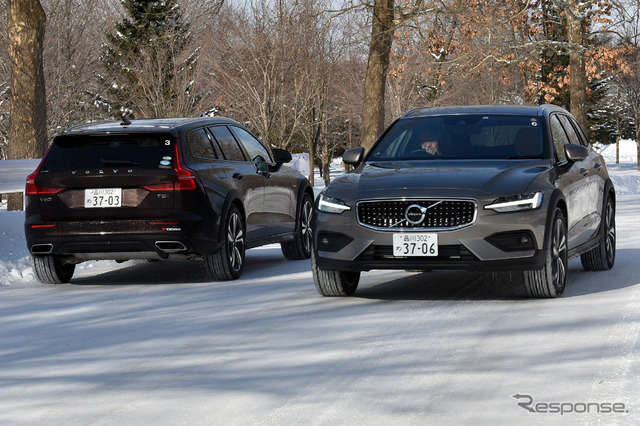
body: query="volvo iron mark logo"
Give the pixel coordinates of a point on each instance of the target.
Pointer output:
(415, 214)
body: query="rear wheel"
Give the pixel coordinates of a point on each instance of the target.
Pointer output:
(52, 270)
(603, 257)
(334, 283)
(550, 280)
(300, 247)
(228, 262)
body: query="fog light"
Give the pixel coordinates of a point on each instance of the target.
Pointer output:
(333, 242)
(513, 241)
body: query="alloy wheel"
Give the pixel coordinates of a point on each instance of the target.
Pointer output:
(559, 254)
(235, 241)
(610, 238)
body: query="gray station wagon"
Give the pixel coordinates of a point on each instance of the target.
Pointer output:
(489, 188)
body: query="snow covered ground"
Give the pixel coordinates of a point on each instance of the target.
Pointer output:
(154, 343)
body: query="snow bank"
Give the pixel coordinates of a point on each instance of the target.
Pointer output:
(628, 152)
(15, 265)
(625, 175)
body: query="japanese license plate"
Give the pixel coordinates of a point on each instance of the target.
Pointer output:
(406, 245)
(103, 197)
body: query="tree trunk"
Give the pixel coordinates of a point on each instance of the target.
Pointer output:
(638, 141)
(577, 73)
(382, 29)
(325, 160)
(28, 114)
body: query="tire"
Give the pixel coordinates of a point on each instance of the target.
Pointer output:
(551, 279)
(51, 269)
(300, 247)
(603, 257)
(228, 262)
(334, 283)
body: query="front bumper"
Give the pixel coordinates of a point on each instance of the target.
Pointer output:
(344, 245)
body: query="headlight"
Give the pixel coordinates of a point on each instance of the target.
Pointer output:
(331, 205)
(516, 203)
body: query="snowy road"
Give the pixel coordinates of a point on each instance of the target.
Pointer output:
(152, 343)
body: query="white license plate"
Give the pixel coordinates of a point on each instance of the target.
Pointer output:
(407, 245)
(103, 197)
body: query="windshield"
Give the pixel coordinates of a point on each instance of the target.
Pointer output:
(462, 137)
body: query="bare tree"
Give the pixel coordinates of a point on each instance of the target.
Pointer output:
(5, 84)
(75, 34)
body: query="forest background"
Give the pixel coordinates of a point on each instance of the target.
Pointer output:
(316, 76)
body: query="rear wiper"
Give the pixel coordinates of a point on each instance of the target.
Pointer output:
(525, 157)
(119, 163)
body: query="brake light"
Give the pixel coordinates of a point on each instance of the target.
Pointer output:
(43, 226)
(159, 187)
(186, 179)
(32, 189)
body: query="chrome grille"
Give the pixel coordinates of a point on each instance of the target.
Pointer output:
(423, 214)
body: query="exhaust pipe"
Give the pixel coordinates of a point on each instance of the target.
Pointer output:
(42, 248)
(170, 246)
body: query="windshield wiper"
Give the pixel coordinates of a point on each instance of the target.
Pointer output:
(525, 157)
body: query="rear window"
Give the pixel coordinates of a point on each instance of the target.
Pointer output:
(140, 151)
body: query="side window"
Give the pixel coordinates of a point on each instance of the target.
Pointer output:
(200, 146)
(253, 147)
(227, 143)
(559, 137)
(571, 132)
(583, 136)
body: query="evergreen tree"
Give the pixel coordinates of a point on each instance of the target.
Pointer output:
(148, 71)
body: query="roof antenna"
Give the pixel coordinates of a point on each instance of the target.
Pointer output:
(125, 121)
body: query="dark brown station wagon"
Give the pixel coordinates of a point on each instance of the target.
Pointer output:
(203, 189)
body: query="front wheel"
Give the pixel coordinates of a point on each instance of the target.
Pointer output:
(551, 279)
(52, 270)
(300, 247)
(334, 283)
(603, 257)
(228, 262)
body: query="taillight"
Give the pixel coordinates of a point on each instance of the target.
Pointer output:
(32, 189)
(159, 187)
(186, 179)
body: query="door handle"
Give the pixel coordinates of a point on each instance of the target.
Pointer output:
(583, 171)
(237, 176)
(598, 166)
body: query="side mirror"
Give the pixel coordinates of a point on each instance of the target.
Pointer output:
(575, 152)
(353, 156)
(281, 156)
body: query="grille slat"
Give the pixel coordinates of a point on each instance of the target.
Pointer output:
(425, 214)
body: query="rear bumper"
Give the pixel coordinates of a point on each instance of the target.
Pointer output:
(121, 239)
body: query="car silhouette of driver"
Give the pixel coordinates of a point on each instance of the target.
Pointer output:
(429, 141)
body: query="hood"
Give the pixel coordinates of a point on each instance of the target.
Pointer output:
(427, 178)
